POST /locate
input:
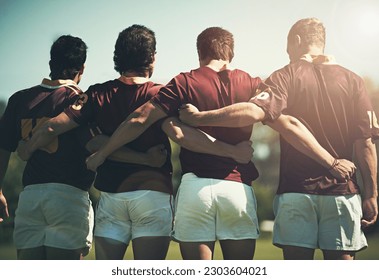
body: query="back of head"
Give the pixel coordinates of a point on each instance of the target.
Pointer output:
(311, 31)
(135, 50)
(67, 57)
(215, 43)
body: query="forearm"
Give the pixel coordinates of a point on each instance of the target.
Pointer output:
(130, 129)
(48, 131)
(297, 135)
(125, 133)
(196, 140)
(366, 157)
(121, 155)
(236, 115)
(4, 160)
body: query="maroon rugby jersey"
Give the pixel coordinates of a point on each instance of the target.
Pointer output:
(332, 103)
(64, 160)
(108, 104)
(207, 90)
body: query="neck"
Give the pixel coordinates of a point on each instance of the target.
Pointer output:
(133, 79)
(216, 65)
(315, 50)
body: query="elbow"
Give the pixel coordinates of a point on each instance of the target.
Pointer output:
(137, 124)
(176, 135)
(49, 131)
(179, 139)
(252, 114)
(291, 121)
(252, 118)
(174, 130)
(288, 124)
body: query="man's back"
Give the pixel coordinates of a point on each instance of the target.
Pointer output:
(208, 89)
(108, 104)
(332, 103)
(64, 162)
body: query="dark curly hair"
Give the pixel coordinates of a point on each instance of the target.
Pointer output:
(215, 43)
(67, 56)
(135, 50)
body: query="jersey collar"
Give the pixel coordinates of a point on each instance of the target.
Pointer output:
(319, 59)
(133, 80)
(55, 84)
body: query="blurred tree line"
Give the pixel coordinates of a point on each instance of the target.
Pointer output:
(266, 157)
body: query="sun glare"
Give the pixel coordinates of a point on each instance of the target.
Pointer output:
(356, 28)
(368, 23)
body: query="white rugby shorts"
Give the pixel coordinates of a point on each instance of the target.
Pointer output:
(211, 209)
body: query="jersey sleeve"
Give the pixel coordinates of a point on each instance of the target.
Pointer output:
(9, 129)
(81, 109)
(170, 97)
(366, 122)
(272, 95)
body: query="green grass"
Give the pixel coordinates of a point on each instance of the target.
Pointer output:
(264, 250)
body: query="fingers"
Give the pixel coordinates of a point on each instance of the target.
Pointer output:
(366, 223)
(3, 213)
(184, 106)
(90, 165)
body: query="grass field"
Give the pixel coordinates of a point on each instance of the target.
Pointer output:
(264, 251)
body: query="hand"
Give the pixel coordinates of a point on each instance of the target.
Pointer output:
(243, 152)
(3, 207)
(94, 161)
(370, 212)
(157, 155)
(23, 150)
(188, 114)
(343, 170)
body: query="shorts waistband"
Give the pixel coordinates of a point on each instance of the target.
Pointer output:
(56, 186)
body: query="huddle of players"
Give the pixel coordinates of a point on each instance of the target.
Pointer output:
(120, 129)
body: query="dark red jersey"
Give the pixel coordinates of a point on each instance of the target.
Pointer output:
(108, 105)
(63, 161)
(207, 90)
(332, 103)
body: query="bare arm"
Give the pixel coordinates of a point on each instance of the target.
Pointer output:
(136, 123)
(236, 115)
(200, 142)
(247, 113)
(295, 133)
(45, 134)
(154, 157)
(4, 160)
(365, 153)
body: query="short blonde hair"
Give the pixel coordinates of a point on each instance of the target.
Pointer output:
(311, 31)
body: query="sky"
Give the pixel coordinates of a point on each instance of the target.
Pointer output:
(260, 28)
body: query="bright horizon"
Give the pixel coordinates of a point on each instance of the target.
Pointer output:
(28, 28)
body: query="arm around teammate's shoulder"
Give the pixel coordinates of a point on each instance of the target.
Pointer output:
(235, 115)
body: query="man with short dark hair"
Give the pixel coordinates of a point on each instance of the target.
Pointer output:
(215, 200)
(54, 217)
(312, 209)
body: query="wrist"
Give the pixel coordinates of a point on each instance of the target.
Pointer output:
(334, 164)
(101, 155)
(197, 118)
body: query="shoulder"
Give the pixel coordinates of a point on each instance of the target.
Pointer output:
(153, 88)
(22, 95)
(243, 74)
(99, 87)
